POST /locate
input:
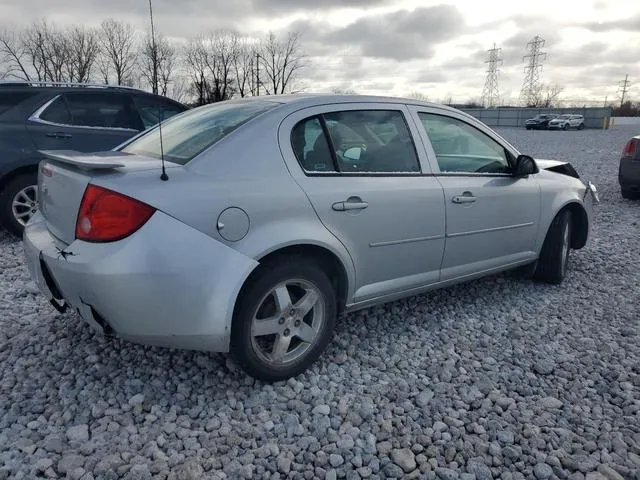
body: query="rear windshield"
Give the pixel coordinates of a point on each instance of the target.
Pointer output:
(190, 133)
(11, 99)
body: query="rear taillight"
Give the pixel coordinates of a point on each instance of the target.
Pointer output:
(630, 148)
(107, 216)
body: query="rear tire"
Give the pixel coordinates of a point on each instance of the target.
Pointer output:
(581, 126)
(554, 256)
(18, 189)
(565, 126)
(270, 313)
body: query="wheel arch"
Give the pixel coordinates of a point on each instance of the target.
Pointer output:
(326, 258)
(580, 224)
(16, 172)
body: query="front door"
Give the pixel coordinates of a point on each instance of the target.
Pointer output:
(492, 217)
(362, 173)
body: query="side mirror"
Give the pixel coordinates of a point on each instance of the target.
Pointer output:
(525, 165)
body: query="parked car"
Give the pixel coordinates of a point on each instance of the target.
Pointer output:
(279, 213)
(629, 169)
(81, 117)
(567, 121)
(540, 121)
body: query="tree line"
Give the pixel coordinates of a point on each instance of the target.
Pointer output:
(207, 68)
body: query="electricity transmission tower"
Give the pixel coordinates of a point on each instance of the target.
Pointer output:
(491, 91)
(623, 89)
(531, 87)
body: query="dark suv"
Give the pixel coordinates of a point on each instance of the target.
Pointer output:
(40, 116)
(540, 121)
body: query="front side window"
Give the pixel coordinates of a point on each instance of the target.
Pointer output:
(461, 148)
(187, 135)
(360, 141)
(105, 110)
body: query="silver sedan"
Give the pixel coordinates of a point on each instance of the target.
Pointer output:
(249, 225)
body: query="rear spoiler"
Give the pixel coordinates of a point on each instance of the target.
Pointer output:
(89, 161)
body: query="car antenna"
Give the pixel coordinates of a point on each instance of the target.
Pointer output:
(164, 177)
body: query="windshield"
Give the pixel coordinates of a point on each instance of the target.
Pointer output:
(188, 134)
(564, 117)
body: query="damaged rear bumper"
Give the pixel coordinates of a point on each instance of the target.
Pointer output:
(167, 284)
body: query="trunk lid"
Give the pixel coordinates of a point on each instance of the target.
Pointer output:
(63, 177)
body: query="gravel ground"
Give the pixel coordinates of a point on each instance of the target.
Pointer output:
(500, 378)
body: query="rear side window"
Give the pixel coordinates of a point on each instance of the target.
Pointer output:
(105, 110)
(187, 135)
(57, 112)
(360, 141)
(8, 100)
(152, 109)
(311, 147)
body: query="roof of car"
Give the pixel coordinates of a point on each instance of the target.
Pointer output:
(25, 84)
(313, 99)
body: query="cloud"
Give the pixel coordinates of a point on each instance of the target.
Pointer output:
(289, 6)
(630, 24)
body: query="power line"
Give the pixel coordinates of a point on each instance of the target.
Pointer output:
(531, 87)
(491, 91)
(623, 89)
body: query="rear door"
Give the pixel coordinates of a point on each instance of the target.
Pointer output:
(365, 177)
(492, 217)
(85, 121)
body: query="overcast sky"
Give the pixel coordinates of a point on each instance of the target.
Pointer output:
(399, 46)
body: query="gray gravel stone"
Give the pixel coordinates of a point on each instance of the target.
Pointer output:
(544, 366)
(446, 473)
(542, 471)
(479, 469)
(404, 458)
(78, 433)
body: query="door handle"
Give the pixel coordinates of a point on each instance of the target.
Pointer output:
(59, 135)
(466, 197)
(352, 203)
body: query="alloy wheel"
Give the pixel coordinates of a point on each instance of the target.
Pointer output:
(25, 204)
(287, 322)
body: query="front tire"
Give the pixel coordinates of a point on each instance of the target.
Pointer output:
(284, 319)
(554, 256)
(18, 202)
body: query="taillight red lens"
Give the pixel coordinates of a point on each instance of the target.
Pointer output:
(630, 148)
(107, 216)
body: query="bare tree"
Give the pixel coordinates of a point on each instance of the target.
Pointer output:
(13, 54)
(549, 96)
(157, 58)
(118, 42)
(343, 91)
(210, 60)
(220, 56)
(416, 95)
(281, 62)
(195, 61)
(244, 66)
(83, 52)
